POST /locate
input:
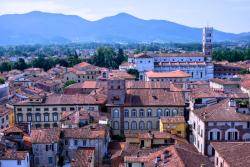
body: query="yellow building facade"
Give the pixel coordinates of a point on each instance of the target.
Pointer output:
(174, 125)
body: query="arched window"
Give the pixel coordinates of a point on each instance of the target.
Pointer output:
(126, 125)
(29, 117)
(149, 125)
(214, 134)
(149, 113)
(126, 113)
(232, 134)
(141, 125)
(20, 117)
(116, 113)
(141, 113)
(133, 113)
(174, 112)
(55, 116)
(167, 113)
(159, 112)
(38, 117)
(133, 125)
(115, 125)
(46, 117)
(246, 137)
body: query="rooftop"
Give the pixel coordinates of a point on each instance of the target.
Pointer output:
(84, 133)
(60, 99)
(45, 136)
(11, 154)
(153, 97)
(234, 153)
(220, 112)
(172, 74)
(157, 54)
(147, 85)
(83, 157)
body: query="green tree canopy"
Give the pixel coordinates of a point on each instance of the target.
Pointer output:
(67, 83)
(21, 64)
(107, 57)
(2, 81)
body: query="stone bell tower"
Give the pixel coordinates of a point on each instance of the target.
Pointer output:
(207, 37)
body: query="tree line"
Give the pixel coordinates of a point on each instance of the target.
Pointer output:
(45, 63)
(231, 55)
(104, 57)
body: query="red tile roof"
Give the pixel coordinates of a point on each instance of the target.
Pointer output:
(172, 74)
(235, 154)
(45, 136)
(11, 154)
(153, 97)
(84, 133)
(220, 112)
(83, 157)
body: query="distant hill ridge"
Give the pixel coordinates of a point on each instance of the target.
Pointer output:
(40, 27)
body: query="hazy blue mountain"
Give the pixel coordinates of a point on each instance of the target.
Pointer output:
(39, 27)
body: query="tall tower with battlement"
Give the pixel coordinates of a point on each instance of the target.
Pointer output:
(207, 46)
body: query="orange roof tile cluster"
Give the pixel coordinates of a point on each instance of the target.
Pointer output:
(185, 155)
(13, 129)
(234, 154)
(57, 99)
(117, 74)
(45, 136)
(203, 92)
(153, 97)
(147, 85)
(246, 84)
(11, 154)
(175, 119)
(83, 157)
(84, 133)
(172, 74)
(221, 112)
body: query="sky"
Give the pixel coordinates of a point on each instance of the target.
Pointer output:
(226, 15)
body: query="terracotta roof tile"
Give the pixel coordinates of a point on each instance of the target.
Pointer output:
(84, 133)
(11, 154)
(172, 74)
(45, 136)
(83, 157)
(153, 97)
(220, 112)
(235, 154)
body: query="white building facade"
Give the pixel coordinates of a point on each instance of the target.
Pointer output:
(197, 64)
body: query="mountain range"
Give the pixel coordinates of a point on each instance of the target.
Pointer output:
(43, 28)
